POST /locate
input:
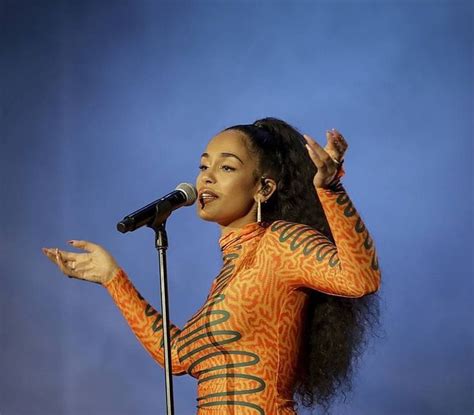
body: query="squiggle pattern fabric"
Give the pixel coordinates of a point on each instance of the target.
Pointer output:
(242, 345)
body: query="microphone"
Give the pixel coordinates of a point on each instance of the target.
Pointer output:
(185, 194)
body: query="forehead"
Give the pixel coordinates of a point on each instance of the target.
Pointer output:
(230, 141)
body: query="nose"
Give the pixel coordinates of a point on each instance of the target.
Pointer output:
(208, 176)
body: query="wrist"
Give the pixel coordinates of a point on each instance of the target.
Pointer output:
(332, 186)
(112, 274)
(335, 182)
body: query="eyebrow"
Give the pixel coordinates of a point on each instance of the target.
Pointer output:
(224, 155)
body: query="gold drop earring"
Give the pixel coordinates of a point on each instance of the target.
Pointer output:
(259, 211)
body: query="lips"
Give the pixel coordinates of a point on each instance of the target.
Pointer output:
(206, 196)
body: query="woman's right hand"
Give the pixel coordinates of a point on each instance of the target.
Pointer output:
(328, 159)
(95, 265)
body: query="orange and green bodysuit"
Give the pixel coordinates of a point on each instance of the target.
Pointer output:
(242, 345)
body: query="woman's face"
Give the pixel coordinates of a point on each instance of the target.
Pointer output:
(227, 183)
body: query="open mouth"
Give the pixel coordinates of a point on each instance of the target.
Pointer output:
(207, 197)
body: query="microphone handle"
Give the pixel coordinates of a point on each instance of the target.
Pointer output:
(157, 211)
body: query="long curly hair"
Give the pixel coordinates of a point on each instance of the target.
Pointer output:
(337, 329)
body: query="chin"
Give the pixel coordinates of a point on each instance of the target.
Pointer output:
(205, 215)
(207, 218)
(210, 217)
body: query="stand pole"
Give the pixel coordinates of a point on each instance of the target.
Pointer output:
(161, 244)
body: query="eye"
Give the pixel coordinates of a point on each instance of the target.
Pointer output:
(202, 167)
(227, 168)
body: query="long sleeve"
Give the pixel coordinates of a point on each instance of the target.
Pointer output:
(145, 322)
(306, 258)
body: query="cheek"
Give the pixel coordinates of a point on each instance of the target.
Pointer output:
(241, 193)
(238, 188)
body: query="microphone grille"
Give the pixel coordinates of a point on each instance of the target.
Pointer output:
(190, 191)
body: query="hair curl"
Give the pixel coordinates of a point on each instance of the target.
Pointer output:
(337, 329)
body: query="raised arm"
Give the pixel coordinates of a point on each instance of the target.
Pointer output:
(348, 268)
(307, 258)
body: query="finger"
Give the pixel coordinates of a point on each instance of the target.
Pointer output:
(71, 256)
(62, 265)
(75, 261)
(317, 149)
(316, 152)
(337, 133)
(86, 245)
(69, 260)
(336, 145)
(332, 146)
(50, 253)
(81, 266)
(312, 142)
(320, 164)
(339, 140)
(80, 270)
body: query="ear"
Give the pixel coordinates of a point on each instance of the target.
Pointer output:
(267, 188)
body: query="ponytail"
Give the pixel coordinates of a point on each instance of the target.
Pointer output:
(336, 328)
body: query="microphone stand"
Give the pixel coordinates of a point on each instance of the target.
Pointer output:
(161, 244)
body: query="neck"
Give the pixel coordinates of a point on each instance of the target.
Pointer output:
(225, 230)
(237, 224)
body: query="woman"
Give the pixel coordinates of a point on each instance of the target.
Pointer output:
(284, 316)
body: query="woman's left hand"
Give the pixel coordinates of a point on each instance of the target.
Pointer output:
(328, 159)
(94, 265)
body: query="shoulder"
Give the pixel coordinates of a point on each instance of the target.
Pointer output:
(291, 232)
(285, 227)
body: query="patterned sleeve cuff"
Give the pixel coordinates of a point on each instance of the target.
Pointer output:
(335, 185)
(119, 275)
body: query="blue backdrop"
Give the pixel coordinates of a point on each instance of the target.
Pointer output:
(107, 105)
